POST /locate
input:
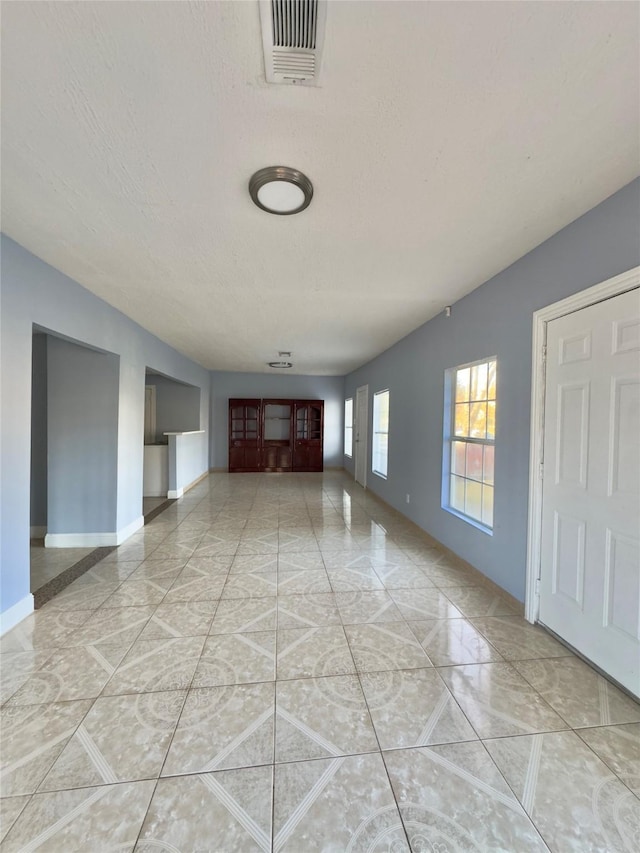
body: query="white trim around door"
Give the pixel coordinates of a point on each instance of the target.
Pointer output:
(598, 293)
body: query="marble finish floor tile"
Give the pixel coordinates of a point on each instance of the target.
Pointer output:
(237, 659)
(350, 580)
(395, 576)
(182, 619)
(121, 739)
(578, 693)
(43, 630)
(385, 646)
(152, 665)
(210, 565)
(498, 701)
(444, 578)
(336, 804)
(304, 581)
(619, 748)
(293, 631)
(313, 652)
(230, 809)
(114, 573)
(451, 642)
(479, 601)
(32, 738)
(321, 718)
(308, 610)
(223, 727)
(78, 673)
(413, 707)
(415, 604)
(249, 585)
(120, 626)
(256, 563)
(452, 797)
(110, 816)
(360, 606)
(576, 802)
(516, 639)
(17, 667)
(10, 809)
(132, 593)
(195, 585)
(297, 562)
(236, 615)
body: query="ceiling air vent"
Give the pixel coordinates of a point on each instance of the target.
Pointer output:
(292, 37)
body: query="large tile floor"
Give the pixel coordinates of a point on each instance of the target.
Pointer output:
(282, 663)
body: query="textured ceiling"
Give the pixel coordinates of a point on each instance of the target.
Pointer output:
(446, 141)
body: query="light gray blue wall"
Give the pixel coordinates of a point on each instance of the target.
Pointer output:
(32, 292)
(264, 385)
(177, 405)
(495, 319)
(39, 432)
(82, 438)
(184, 455)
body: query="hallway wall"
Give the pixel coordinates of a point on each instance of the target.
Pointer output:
(33, 292)
(493, 320)
(82, 441)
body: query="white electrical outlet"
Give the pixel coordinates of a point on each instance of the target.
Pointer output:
(408, 499)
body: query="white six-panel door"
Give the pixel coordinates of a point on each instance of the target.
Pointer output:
(590, 548)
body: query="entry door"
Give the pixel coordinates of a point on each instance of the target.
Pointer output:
(590, 549)
(362, 415)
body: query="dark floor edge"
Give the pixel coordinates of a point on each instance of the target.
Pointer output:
(56, 585)
(157, 510)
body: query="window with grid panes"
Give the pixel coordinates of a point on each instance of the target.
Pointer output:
(472, 441)
(380, 445)
(348, 427)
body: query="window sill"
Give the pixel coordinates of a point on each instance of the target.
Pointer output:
(378, 474)
(477, 524)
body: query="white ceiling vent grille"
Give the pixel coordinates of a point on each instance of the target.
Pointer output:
(292, 37)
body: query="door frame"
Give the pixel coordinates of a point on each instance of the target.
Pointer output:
(361, 429)
(598, 293)
(153, 414)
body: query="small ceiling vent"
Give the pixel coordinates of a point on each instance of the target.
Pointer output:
(292, 38)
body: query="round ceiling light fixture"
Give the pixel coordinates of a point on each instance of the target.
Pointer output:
(281, 190)
(281, 365)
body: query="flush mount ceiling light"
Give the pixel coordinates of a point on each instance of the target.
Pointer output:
(281, 190)
(281, 365)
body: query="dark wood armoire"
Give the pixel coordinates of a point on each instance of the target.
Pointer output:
(275, 435)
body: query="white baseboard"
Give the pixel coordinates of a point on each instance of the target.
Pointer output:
(79, 540)
(38, 532)
(92, 540)
(129, 530)
(19, 611)
(174, 494)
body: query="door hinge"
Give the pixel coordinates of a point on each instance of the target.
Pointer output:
(537, 586)
(541, 470)
(544, 355)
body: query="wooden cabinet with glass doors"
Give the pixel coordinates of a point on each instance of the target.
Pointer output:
(275, 435)
(245, 438)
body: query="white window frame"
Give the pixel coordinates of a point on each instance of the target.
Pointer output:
(376, 431)
(450, 436)
(348, 429)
